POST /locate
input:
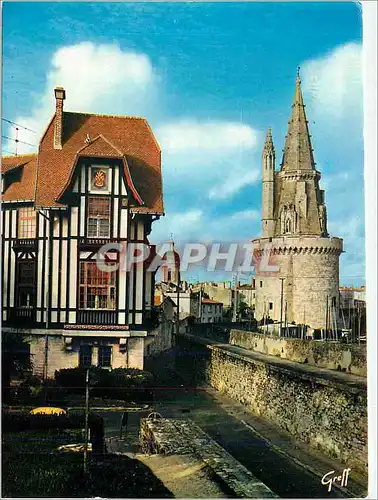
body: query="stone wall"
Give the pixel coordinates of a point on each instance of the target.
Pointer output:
(328, 415)
(160, 339)
(350, 358)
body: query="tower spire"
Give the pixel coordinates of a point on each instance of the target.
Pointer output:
(298, 153)
(268, 145)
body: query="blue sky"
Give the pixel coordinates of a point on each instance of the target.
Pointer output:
(210, 78)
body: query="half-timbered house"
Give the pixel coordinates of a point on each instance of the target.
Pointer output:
(95, 180)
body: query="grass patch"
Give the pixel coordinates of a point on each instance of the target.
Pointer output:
(32, 467)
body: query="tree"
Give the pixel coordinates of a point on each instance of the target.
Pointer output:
(15, 358)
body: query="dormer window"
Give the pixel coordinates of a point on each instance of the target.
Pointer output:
(27, 223)
(98, 217)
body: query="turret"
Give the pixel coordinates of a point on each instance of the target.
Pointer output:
(268, 167)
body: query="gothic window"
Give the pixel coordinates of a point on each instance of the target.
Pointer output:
(26, 223)
(98, 217)
(26, 283)
(97, 288)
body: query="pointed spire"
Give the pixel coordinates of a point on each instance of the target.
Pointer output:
(298, 153)
(268, 145)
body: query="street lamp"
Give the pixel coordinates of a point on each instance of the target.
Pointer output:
(282, 280)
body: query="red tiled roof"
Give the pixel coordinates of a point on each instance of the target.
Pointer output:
(23, 169)
(125, 138)
(112, 137)
(11, 162)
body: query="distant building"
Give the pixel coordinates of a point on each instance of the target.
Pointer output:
(352, 297)
(211, 311)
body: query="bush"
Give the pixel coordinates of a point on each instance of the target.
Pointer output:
(128, 384)
(17, 422)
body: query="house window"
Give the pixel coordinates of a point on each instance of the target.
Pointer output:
(98, 217)
(85, 356)
(26, 283)
(105, 356)
(97, 288)
(26, 223)
(270, 306)
(260, 284)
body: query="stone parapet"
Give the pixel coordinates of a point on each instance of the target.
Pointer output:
(350, 358)
(286, 245)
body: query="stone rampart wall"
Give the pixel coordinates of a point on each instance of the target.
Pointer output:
(328, 415)
(350, 358)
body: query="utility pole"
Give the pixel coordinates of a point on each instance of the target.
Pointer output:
(281, 313)
(326, 322)
(178, 304)
(86, 421)
(234, 312)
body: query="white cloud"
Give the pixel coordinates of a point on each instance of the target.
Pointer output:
(234, 183)
(333, 83)
(215, 137)
(215, 156)
(98, 79)
(182, 226)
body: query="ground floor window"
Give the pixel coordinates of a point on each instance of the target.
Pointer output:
(85, 356)
(105, 356)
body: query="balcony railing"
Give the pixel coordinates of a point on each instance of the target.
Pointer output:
(22, 316)
(98, 317)
(86, 243)
(25, 244)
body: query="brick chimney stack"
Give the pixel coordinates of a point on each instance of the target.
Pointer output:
(60, 95)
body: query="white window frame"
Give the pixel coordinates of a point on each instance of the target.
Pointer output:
(98, 219)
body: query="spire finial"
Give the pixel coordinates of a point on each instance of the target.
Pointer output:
(298, 74)
(268, 145)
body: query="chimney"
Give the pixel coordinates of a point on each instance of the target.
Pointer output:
(60, 95)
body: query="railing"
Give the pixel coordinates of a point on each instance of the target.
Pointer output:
(98, 317)
(22, 316)
(25, 243)
(95, 243)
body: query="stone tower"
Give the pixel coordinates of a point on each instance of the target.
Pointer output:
(305, 282)
(171, 266)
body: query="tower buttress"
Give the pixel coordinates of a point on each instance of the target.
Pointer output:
(268, 166)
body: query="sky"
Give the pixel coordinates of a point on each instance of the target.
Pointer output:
(210, 78)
